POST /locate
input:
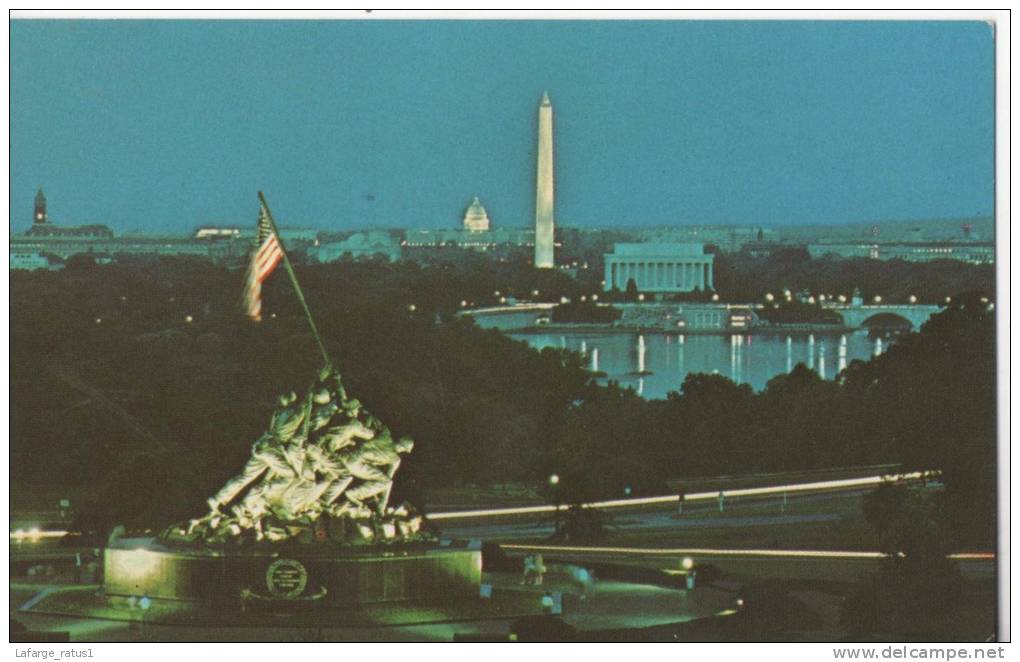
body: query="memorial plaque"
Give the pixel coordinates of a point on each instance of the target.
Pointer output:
(286, 578)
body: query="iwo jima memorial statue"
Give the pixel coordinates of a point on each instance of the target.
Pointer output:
(307, 522)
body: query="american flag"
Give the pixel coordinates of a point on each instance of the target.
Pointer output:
(267, 255)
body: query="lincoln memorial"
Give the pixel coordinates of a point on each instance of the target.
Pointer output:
(659, 267)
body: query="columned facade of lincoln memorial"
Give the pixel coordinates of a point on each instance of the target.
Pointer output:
(659, 267)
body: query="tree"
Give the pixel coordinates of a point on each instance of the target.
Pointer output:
(915, 594)
(631, 293)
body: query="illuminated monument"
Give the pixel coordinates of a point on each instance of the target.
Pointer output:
(307, 523)
(544, 188)
(475, 218)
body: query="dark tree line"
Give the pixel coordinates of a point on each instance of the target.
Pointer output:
(142, 379)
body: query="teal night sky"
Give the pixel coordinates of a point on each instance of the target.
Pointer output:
(163, 126)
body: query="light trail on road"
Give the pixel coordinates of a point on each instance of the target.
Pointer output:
(845, 483)
(704, 551)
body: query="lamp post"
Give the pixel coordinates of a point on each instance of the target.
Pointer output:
(554, 481)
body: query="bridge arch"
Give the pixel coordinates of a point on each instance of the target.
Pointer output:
(887, 319)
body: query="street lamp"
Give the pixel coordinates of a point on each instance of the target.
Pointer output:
(554, 480)
(769, 297)
(912, 299)
(687, 563)
(877, 299)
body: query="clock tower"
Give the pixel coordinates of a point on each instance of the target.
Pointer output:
(40, 208)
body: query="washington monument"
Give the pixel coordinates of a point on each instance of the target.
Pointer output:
(544, 188)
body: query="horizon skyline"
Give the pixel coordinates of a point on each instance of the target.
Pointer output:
(817, 162)
(457, 225)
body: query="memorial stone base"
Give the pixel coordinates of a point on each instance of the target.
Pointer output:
(293, 576)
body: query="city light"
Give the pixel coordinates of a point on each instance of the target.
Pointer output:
(463, 304)
(594, 297)
(842, 298)
(641, 297)
(687, 563)
(534, 293)
(99, 320)
(412, 307)
(554, 479)
(912, 299)
(35, 534)
(877, 299)
(715, 297)
(769, 297)
(189, 319)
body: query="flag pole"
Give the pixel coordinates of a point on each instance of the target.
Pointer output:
(294, 281)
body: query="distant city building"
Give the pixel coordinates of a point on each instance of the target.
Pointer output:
(766, 248)
(974, 253)
(475, 218)
(85, 231)
(951, 230)
(544, 224)
(41, 227)
(32, 260)
(686, 317)
(39, 216)
(729, 238)
(659, 268)
(217, 233)
(360, 244)
(480, 241)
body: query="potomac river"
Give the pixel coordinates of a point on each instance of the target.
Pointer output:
(656, 363)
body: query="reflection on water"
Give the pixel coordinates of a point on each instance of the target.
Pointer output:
(655, 364)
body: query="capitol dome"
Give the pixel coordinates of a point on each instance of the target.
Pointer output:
(475, 218)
